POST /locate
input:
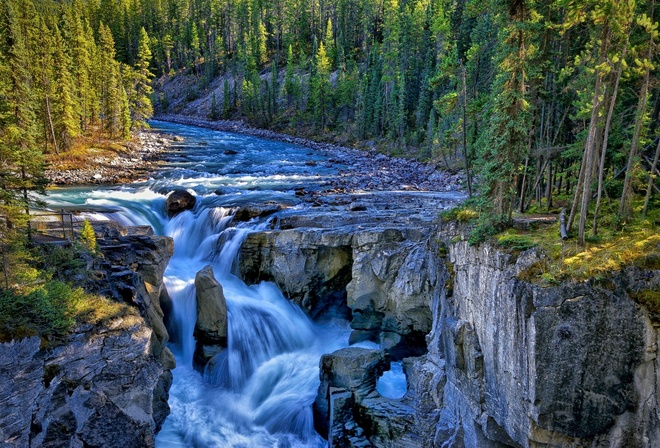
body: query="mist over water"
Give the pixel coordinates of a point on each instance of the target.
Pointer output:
(259, 391)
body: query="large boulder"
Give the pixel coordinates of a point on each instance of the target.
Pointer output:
(178, 201)
(353, 369)
(211, 327)
(350, 412)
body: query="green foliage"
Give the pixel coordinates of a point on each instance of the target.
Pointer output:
(487, 226)
(516, 242)
(46, 311)
(87, 237)
(460, 214)
(214, 112)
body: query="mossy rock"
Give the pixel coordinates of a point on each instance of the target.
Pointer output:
(650, 298)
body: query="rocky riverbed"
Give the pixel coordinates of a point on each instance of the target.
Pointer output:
(135, 161)
(368, 170)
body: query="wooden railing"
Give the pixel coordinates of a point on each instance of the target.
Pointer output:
(59, 225)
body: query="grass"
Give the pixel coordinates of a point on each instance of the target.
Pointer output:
(85, 150)
(636, 243)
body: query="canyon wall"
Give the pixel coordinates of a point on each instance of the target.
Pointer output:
(569, 365)
(107, 384)
(491, 359)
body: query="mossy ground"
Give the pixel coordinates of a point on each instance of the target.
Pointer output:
(634, 243)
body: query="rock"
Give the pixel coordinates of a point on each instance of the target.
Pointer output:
(353, 369)
(357, 207)
(312, 268)
(526, 365)
(98, 389)
(140, 282)
(256, 211)
(179, 201)
(211, 327)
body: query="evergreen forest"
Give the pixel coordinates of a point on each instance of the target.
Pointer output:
(541, 103)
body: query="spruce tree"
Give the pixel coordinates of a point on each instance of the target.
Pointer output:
(320, 96)
(141, 108)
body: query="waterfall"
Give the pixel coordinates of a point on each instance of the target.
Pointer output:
(259, 391)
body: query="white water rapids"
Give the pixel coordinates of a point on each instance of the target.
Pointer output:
(259, 391)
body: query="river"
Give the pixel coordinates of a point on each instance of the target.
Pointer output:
(258, 392)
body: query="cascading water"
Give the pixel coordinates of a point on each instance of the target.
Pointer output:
(258, 392)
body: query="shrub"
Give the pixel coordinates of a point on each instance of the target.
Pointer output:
(88, 237)
(516, 242)
(46, 311)
(487, 226)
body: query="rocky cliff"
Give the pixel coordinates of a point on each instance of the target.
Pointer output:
(368, 264)
(504, 361)
(570, 365)
(106, 385)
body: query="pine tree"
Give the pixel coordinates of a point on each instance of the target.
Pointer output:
(67, 122)
(320, 96)
(506, 139)
(22, 162)
(141, 108)
(214, 112)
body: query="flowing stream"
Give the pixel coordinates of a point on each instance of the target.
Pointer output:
(258, 392)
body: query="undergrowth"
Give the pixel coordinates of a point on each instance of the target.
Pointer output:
(52, 310)
(46, 296)
(635, 243)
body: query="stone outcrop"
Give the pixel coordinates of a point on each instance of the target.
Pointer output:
(371, 268)
(106, 385)
(507, 362)
(377, 278)
(179, 201)
(98, 389)
(211, 326)
(571, 365)
(511, 363)
(311, 267)
(131, 271)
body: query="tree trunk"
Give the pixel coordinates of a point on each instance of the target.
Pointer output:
(590, 145)
(465, 151)
(606, 134)
(625, 206)
(649, 188)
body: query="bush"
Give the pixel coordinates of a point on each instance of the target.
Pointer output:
(52, 310)
(487, 225)
(516, 242)
(47, 311)
(60, 263)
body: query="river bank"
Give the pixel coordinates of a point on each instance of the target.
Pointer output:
(366, 170)
(131, 162)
